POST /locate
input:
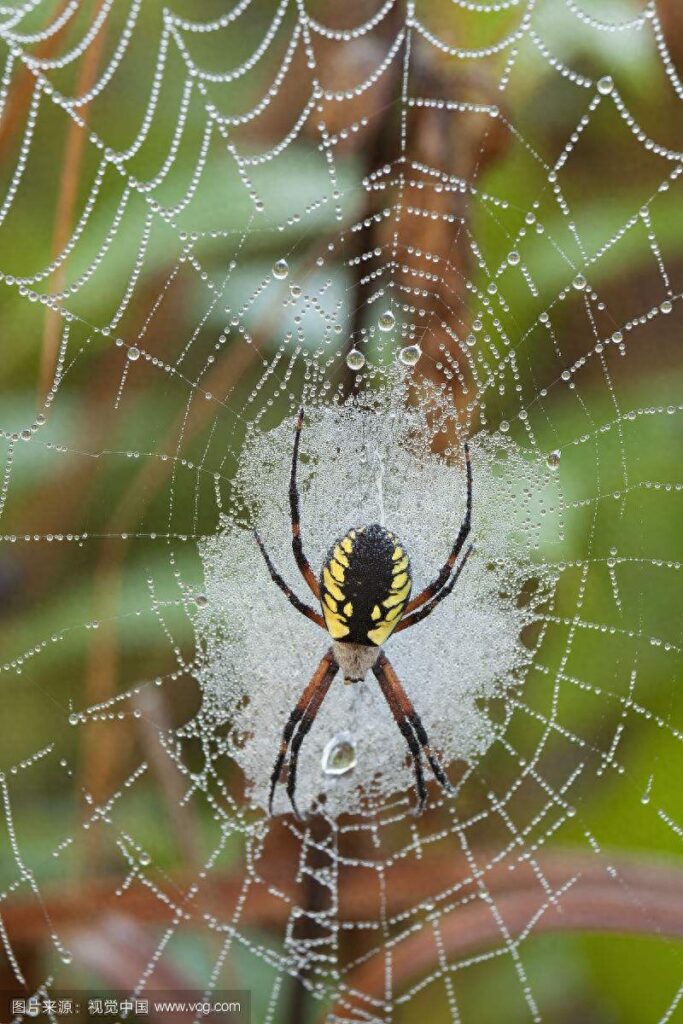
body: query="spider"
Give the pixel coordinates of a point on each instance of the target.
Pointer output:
(364, 590)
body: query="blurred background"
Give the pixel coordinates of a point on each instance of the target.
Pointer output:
(204, 210)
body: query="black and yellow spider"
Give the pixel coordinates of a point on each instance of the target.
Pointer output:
(364, 591)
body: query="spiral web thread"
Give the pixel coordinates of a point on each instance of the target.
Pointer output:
(227, 189)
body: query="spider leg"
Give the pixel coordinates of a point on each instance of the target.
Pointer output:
(437, 583)
(427, 609)
(408, 735)
(297, 545)
(305, 711)
(392, 691)
(300, 605)
(301, 733)
(410, 725)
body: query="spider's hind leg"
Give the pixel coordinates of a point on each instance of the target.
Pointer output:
(421, 734)
(411, 727)
(303, 716)
(414, 748)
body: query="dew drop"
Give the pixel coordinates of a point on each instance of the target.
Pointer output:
(281, 269)
(513, 258)
(133, 353)
(553, 459)
(201, 600)
(386, 321)
(605, 85)
(339, 755)
(410, 355)
(579, 282)
(355, 360)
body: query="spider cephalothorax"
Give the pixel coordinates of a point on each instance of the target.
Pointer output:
(364, 592)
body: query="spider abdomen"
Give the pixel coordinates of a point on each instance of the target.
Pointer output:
(365, 585)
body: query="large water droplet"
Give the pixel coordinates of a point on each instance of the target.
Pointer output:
(579, 282)
(605, 85)
(513, 258)
(281, 269)
(133, 353)
(339, 755)
(386, 321)
(355, 360)
(410, 355)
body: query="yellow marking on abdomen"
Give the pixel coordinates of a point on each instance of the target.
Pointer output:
(376, 612)
(330, 585)
(330, 602)
(397, 598)
(337, 571)
(340, 556)
(347, 544)
(335, 627)
(348, 609)
(399, 580)
(379, 635)
(396, 554)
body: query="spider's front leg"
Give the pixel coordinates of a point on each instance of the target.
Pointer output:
(303, 716)
(433, 592)
(295, 514)
(300, 605)
(411, 726)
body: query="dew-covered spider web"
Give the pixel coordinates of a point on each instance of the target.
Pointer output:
(430, 223)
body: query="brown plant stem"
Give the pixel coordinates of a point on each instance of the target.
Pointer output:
(313, 898)
(642, 895)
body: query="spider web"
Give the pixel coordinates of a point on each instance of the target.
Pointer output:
(419, 220)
